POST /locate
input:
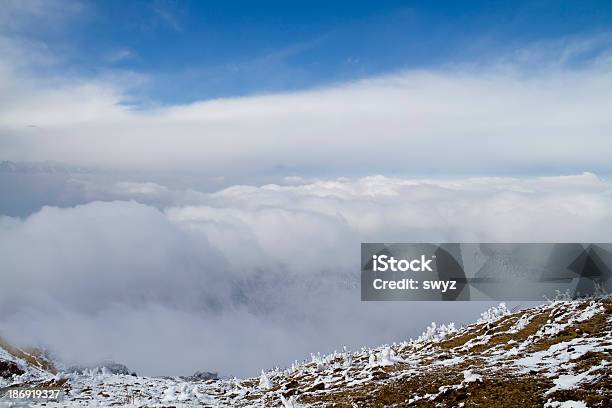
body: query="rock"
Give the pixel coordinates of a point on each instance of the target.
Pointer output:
(201, 376)
(9, 369)
(317, 387)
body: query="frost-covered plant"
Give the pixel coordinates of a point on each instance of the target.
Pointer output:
(436, 333)
(264, 381)
(169, 394)
(348, 361)
(560, 296)
(522, 322)
(385, 357)
(600, 291)
(290, 403)
(321, 362)
(494, 313)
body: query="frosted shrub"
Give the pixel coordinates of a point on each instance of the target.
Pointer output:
(264, 381)
(494, 313)
(436, 333)
(385, 357)
(290, 403)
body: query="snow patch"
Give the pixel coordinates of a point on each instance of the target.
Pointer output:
(565, 404)
(470, 377)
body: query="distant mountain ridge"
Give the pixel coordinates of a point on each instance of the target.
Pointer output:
(110, 367)
(35, 167)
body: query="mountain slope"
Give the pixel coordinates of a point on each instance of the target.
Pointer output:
(25, 367)
(545, 356)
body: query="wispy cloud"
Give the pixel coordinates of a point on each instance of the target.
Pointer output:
(21, 16)
(121, 54)
(166, 11)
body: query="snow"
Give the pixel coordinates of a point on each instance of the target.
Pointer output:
(469, 377)
(449, 362)
(569, 381)
(589, 312)
(560, 353)
(552, 328)
(566, 404)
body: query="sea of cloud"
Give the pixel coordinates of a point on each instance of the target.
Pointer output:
(252, 276)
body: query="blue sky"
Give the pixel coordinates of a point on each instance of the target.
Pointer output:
(193, 50)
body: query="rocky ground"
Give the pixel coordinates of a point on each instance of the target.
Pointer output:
(557, 355)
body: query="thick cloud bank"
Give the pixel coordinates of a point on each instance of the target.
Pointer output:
(494, 120)
(248, 277)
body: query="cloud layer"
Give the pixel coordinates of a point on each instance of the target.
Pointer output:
(541, 109)
(249, 277)
(495, 122)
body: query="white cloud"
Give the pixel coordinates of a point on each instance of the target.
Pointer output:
(499, 117)
(249, 277)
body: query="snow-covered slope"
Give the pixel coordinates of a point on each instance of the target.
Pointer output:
(546, 356)
(29, 367)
